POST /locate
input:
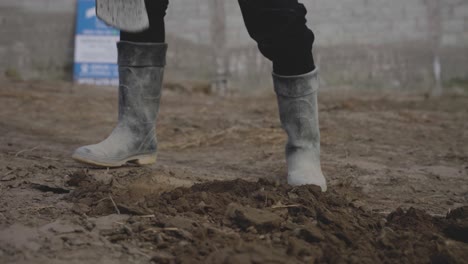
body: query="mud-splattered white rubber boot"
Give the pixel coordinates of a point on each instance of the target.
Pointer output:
(141, 69)
(298, 108)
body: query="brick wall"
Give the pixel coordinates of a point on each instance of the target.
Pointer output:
(363, 42)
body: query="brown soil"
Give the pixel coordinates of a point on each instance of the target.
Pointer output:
(397, 166)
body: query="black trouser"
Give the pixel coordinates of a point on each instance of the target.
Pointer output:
(278, 26)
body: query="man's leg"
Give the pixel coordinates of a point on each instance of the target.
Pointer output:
(279, 28)
(156, 33)
(141, 60)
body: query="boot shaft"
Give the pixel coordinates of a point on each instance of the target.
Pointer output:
(141, 70)
(298, 109)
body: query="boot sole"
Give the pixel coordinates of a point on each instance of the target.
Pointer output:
(140, 160)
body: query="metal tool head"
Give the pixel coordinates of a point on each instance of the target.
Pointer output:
(126, 15)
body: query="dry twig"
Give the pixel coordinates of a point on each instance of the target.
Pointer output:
(285, 206)
(25, 150)
(115, 205)
(161, 229)
(147, 216)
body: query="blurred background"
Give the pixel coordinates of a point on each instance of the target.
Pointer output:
(377, 44)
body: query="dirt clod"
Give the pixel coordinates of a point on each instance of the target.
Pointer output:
(245, 217)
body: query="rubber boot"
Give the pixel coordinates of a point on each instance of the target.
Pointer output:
(297, 103)
(141, 69)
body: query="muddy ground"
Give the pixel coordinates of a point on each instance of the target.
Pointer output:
(397, 164)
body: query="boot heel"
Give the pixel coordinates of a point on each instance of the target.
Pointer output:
(146, 160)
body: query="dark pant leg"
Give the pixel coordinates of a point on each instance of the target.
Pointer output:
(156, 32)
(280, 30)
